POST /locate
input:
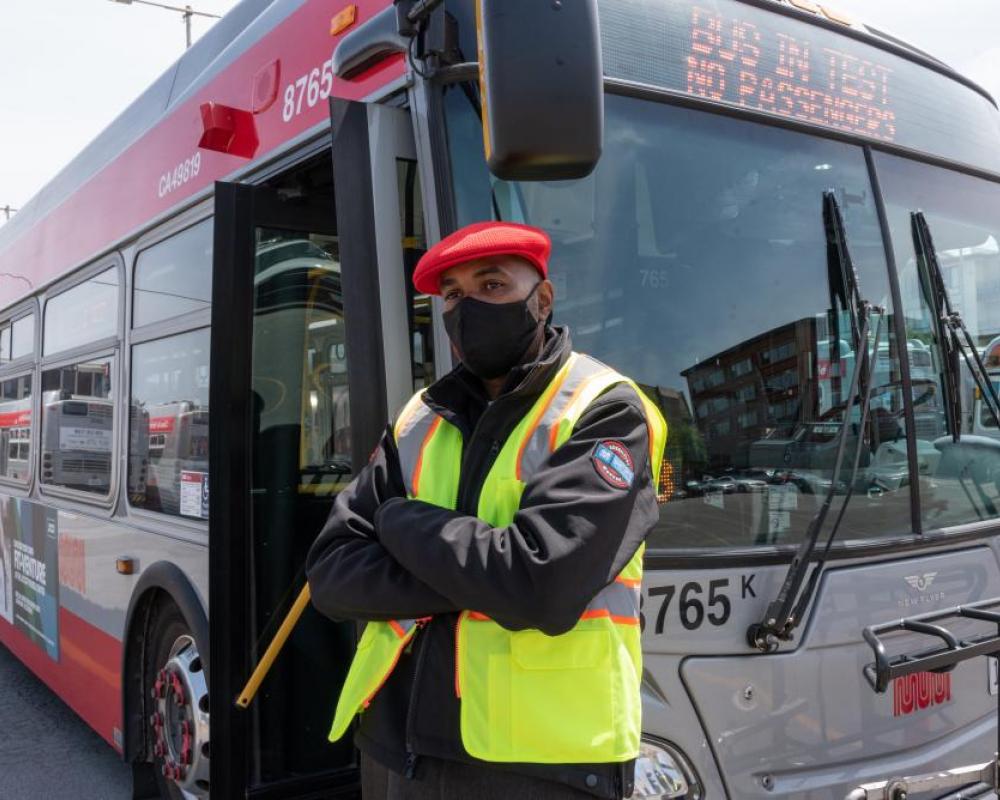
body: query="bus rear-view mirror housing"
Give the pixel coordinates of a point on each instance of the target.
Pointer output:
(541, 83)
(540, 79)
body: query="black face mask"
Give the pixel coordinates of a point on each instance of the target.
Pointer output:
(491, 338)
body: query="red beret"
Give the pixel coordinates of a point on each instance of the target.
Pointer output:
(477, 241)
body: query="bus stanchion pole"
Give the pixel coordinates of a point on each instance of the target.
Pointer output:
(278, 642)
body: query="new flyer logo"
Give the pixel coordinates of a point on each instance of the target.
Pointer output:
(614, 463)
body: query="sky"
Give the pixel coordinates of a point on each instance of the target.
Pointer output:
(962, 33)
(69, 67)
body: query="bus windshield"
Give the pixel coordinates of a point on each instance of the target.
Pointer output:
(695, 260)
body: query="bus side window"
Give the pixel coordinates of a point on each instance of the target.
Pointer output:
(78, 426)
(15, 428)
(168, 407)
(88, 312)
(22, 337)
(168, 417)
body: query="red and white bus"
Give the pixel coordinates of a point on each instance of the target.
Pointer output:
(229, 263)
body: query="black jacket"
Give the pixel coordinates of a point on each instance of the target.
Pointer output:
(382, 556)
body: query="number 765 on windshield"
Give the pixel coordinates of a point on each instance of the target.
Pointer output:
(693, 604)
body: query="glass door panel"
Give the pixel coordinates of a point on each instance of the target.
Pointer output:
(301, 442)
(283, 445)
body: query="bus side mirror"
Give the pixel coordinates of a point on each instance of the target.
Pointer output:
(541, 83)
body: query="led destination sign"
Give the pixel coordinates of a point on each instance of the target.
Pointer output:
(733, 60)
(747, 56)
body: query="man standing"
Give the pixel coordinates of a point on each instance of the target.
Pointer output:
(494, 546)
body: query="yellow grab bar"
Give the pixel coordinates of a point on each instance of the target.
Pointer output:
(267, 661)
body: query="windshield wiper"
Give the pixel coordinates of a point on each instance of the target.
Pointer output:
(952, 335)
(787, 609)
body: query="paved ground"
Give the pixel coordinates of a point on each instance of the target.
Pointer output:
(46, 751)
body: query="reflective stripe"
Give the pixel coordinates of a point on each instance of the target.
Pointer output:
(567, 409)
(603, 612)
(408, 416)
(616, 600)
(413, 430)
(414, 487)
(402, 626)
(579, 373)
(538, 414)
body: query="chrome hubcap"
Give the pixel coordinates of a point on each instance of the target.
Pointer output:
(179, 720)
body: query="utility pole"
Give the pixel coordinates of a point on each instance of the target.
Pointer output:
(7, 211)
(186, 11)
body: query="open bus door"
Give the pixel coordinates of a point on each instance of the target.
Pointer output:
(300, 396)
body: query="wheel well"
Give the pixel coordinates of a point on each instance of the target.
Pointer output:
(162, 582)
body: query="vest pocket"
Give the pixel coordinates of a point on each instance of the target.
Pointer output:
(562, 697)
(528, 697)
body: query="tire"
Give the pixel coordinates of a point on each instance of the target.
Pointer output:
(175, 694)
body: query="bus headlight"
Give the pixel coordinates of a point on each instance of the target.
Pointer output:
(662, 772)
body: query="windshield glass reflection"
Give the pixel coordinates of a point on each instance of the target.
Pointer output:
(695, 260)
(961, 482)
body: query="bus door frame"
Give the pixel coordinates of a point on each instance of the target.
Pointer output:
(367, 140)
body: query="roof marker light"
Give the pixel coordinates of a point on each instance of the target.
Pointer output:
(228, 130)
(343, 19)
(834, 15)
(265, 87)
(805, 5)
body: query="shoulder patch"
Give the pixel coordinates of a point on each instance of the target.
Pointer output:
(614, 463)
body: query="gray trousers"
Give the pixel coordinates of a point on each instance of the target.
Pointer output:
(452, 780)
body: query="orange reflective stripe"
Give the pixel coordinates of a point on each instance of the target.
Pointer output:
(399, 629)
(603, 613)
(547, 397)
(478, 617)
(631, 582)
(554, 431)
(415, 480)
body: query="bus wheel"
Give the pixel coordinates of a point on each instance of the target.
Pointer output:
(177, 699)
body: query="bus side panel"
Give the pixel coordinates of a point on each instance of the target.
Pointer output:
(64, 603)
(88, 676)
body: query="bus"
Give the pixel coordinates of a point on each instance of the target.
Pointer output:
(733, 213)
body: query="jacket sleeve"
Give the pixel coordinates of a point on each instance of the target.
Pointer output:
(351, 575)
(573, 533)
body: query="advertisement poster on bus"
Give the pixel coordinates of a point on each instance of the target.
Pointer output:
(34, 545)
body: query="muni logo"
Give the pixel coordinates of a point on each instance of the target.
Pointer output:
(919, 691)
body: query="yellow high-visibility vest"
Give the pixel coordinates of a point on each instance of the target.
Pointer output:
(525, 696)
